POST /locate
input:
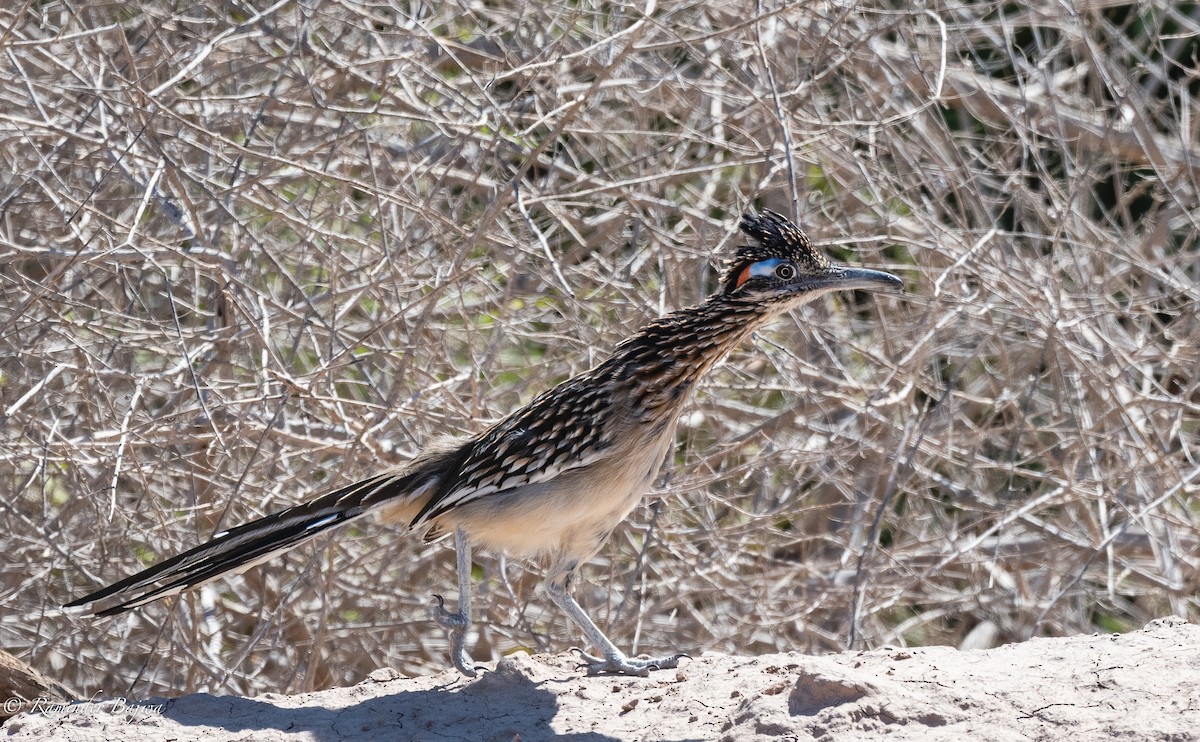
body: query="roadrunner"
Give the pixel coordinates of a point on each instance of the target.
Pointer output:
(556, 476)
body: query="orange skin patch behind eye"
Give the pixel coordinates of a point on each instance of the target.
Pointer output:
(743, 276)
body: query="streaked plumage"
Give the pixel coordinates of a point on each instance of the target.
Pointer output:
(557, 475)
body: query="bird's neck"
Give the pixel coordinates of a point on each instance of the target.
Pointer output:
(661, 364)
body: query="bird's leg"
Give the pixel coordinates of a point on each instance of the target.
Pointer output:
(612, 660)
(457, 624)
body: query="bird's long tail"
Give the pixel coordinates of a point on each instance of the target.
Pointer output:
(238, 549)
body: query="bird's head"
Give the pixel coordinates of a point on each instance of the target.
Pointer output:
(781, 269)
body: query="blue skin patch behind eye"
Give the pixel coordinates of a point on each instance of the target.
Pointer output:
(764, 268)
(761, 269)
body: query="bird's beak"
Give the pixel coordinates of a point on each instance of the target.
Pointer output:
(839, 278)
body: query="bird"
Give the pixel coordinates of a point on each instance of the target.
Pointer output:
(557, 476)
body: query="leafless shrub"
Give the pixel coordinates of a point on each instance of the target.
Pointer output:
(250, 253)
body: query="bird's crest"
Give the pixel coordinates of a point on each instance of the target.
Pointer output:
(773, 237)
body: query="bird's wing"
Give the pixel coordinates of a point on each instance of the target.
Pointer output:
(561, 430)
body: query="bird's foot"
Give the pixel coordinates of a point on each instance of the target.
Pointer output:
(619, 664)
(447, 620)
(456, 625)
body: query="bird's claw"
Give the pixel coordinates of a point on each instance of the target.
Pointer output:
(619, 664)
(447, 620)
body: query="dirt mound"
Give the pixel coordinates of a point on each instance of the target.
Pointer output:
(1144, 685)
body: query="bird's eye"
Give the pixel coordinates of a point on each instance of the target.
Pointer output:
(785, 271)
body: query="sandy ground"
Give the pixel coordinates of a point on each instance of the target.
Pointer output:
(1144, 685)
